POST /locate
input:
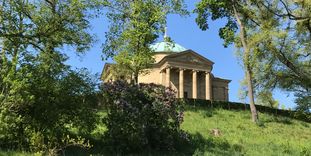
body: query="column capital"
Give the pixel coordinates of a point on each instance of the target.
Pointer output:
(168, 67)
(195, 71)
(207, 72)
(181, 69)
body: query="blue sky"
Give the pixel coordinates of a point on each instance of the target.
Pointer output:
(184, 31)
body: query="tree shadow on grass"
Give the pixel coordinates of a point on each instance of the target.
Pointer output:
(212, 146)
(196, 145)
(279, 119)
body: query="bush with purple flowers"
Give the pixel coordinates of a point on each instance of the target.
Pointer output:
(141, 116)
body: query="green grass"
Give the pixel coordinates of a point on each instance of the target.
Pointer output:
(275, 136)
(239, 136)
(16, 153)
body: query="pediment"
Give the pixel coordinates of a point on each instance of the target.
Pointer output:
(190, 57)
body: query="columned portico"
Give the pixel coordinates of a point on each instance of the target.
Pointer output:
(184, 84)
(185, 71)
(161, 78)
(208, 86)
(194, 85)
(168, 77)
(181, 83)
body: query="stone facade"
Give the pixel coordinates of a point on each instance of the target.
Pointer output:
(187, 72)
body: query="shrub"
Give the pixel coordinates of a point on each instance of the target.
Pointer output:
(144, 116)
(56, 104)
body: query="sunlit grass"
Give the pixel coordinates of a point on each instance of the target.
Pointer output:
(16, 153)
(239, 136)
(274, 136)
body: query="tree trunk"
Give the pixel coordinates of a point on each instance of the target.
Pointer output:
(135, 78)
(247, 66)
(251, 95)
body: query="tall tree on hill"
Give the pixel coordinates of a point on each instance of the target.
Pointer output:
(39, 94)
(238, 17)
(283, 48)
(277, 34)
(134, 25)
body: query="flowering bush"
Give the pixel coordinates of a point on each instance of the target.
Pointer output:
(141, 116)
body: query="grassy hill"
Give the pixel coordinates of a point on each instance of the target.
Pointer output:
(239, 136)
(275, 135)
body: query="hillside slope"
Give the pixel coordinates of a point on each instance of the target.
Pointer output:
(275, 136)
(239, 136)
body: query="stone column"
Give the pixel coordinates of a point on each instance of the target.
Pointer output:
(161, 78)
(208, 86)
(181, 83)
(194, 85)
(168, 77)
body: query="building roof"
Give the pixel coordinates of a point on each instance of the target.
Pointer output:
(165, 46)
(221, 79)
(106, 70)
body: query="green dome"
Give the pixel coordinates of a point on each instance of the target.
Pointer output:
(167, 47)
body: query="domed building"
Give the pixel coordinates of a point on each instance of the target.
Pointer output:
(186, 71)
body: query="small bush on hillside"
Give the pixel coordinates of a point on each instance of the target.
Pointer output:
(144, 116)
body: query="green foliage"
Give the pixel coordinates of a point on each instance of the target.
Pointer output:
(57, 106)
(265, 98)
(238, 15)
(134, 25)
(239, 136)
(282, 39)
(41, 98)
(140, 117)
(277, 34)
(304, 102)
(215, 9)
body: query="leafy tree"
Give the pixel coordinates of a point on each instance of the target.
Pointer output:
(265, 98)
(134, 26)
(238, 15)
(283, 48)
(278, 36)
(142, 116)
(40, 96)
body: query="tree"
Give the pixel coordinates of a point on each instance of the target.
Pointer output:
(140, 117)
(265, 98)
(238, 15)
(283, 48)
(281, 41)
(39, 94)
(134, 26)
(278, 33)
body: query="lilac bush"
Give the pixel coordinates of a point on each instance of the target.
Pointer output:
(141, 116)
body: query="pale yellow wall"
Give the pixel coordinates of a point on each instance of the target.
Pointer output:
(153, 76)
(159, 56)
(220, 90)
(175, 80)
